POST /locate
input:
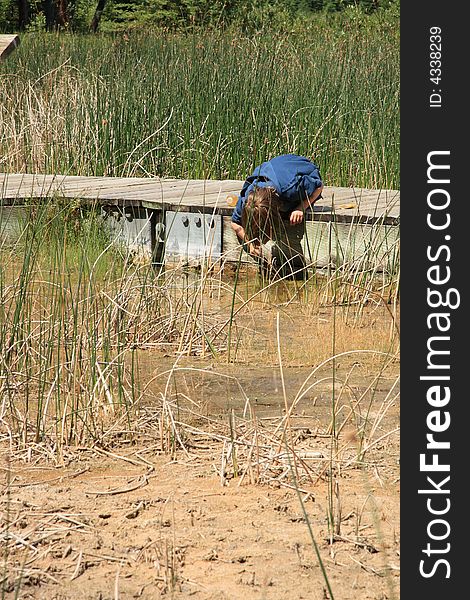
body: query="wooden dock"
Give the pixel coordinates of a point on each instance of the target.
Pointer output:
(7, 44)
(192, 195)
(174, 219)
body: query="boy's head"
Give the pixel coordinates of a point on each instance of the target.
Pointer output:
(260, 215)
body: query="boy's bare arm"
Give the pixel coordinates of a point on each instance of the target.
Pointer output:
(239, 231)
(253, 248)
(297, 215)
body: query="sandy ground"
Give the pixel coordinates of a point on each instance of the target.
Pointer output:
(103, 528)
(215, 514)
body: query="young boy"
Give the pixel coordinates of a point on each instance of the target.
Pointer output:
(275, 196)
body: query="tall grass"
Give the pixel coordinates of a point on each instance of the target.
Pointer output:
(75, 313)
(204, 104)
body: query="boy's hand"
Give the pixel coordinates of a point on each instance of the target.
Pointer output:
(296, 217)
(255, 250)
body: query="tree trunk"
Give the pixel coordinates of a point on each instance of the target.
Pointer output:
(49, 7)
(97, 16)
(23, 14)
(62, 18)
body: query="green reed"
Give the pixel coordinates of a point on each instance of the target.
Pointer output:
(52, 338)
(204, 104)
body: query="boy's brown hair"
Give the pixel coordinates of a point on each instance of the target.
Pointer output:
(260, 215)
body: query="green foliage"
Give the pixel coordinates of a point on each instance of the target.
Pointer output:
(8, 15)
(118, 15)
(81, 13)
(123, 14)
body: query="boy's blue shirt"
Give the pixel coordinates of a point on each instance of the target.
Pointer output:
(294, 177)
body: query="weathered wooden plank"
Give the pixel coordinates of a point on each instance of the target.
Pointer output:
(340, 204)
(84, 183)
(8, 42)
(120, 187)
(190, 195)
(72, 183)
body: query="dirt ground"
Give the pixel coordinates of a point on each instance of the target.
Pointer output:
(223, 511)
(134, 522)
(102, 528)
